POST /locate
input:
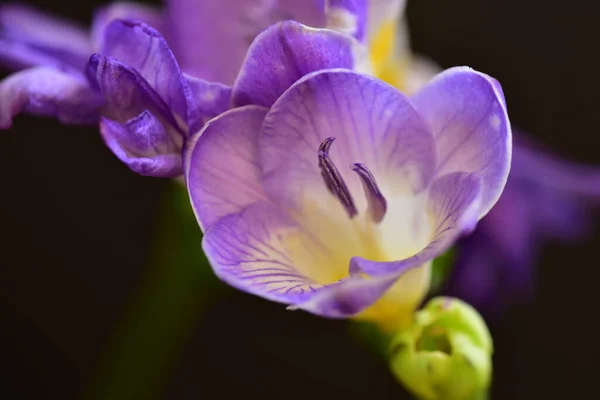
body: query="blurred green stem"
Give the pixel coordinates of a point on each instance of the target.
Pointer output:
(162, 315)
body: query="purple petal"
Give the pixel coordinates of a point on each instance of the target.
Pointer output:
(453, 204)
(214, 25)
(373, 124)
(209, 99)
(348, 16)
(124, 10)
(29, 37)
(144, 145)
(468, 118)
(48, 92)
(145, 50)
(248, 251)
(127, 93)
(222, 171)
(286, 52)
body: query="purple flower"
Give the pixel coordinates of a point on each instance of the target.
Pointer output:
(133, 85)
(57, 52)
(545, 199)
(335, 199)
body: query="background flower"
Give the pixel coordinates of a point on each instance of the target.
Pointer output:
(134, 84)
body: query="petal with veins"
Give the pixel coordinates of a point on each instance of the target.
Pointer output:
(144, 145)
(222, 171)
(284, 53)
(467, 114)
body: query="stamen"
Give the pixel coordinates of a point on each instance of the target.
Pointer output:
(376, 201)
(333, 179)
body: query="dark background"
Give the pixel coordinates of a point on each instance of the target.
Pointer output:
(78, 230)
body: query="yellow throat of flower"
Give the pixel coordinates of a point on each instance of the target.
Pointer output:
(396, 308)
(389, 62)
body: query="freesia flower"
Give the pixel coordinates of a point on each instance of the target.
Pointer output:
(54, 53)
(545, 199)
(336, 199)
(146, 105)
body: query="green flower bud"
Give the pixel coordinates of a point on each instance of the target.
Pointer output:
(445, 354)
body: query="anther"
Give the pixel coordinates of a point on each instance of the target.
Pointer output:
(333, 179)
(375, 199)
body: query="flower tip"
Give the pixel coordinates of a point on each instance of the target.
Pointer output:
(326, 145)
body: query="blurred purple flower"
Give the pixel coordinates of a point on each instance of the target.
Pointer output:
(545, 199)
(133, 85)
(294, 217)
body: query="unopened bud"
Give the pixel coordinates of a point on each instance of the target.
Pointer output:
(445, 354)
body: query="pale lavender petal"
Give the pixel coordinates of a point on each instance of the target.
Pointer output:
(145, 50)
(144, 145)
(48, 92)
(468, 117)
(29, 37)
(248, 251)
(127, 93)
(286, 52)
(215, 25)
(454, 202)
(348, 16)
(124, 10)
(210, 99)
(222, 171)
(373, 124)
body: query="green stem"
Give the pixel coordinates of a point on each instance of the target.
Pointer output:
(160, 320)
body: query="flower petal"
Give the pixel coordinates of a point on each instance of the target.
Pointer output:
(284, 53)
(222, 171)
(124, 10)
(349, 296)
(127, 93)
(468, 117)
(254, 251)
(214, 25)
(144, 49)
(29, 37)
(248, 251)
(48, 92)
(210, 99)
(347, 16)
(453, 204)
(373, 123)
(144, 145)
